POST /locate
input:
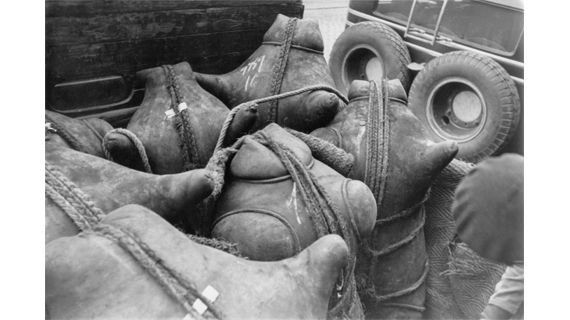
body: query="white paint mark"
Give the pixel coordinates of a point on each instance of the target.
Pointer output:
(293, 201)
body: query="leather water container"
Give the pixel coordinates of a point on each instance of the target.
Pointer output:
(394, 157)
(178, 122)
(93, 276)
(262, 208)
(81, 182)
(276, 68)
(85, 135)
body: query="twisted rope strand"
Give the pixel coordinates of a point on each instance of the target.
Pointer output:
(376, 176)
(135, 140)
(293, 46)
(188, 145)
(61, 131)
(279, 67)
(171, 281)
(255, 104)
(74, 202)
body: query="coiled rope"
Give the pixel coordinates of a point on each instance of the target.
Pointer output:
(376, 176)
(136, 142)
(188, 146)
(181, 289)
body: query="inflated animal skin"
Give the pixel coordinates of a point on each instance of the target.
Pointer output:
(93, 186)
(396, 160)
(178, 122)
(92, 275)
(277, 68)
(82, 135)
(262, 207)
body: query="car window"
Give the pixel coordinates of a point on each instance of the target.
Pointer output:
(425, 13)
(394, 10)
(483, 24)
(488, 26)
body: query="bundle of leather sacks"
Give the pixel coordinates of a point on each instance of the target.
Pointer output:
(261, 193)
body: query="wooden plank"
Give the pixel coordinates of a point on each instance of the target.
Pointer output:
(76, 62)
(133, 26)
(83, 8)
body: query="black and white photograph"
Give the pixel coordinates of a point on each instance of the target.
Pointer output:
(294, 159)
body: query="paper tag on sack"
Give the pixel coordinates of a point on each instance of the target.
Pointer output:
(182, 106)
(209, 293)
(169, 113)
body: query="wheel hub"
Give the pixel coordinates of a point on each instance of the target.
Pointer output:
(456, 110)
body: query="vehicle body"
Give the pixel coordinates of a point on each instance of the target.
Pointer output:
(493, 28)
(94, 48)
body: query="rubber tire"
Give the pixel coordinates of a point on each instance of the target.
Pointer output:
(497, 88)
(383, 39)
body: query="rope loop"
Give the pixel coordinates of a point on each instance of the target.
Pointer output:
(256, 102)
(136, 142)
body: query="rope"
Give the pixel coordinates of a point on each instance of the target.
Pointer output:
(377, 141)
(407, 239)
(190, 154)
(70, 199)
(170, 280)
(136, 142)
(64, 134)
(279, 67)
(293, 46)
(382, 298)
(255, 104)
(228, 247)
(86, 216)
(376, 176)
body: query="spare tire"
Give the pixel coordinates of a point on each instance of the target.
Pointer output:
(369, 51)
(468, 98)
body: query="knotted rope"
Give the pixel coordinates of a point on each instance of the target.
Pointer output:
(74, 202)
(255, 104)
(188, 145)
(323, 213)
(376, 176)
(181, 289)
(60, 130)
(136, 142)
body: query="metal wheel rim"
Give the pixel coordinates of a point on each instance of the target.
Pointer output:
(456, 127)
(351, 59)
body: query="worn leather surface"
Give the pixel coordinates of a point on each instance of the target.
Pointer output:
(253, 79)
(157, 132)
(258, 180)
(413, 162)
(111, 186)
(88, 276)
(88, 133)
